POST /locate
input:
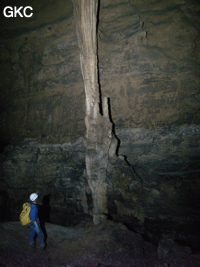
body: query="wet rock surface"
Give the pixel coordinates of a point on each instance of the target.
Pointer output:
(108, 244)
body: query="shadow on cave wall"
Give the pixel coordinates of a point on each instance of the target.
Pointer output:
(44, 212)
(134, 174)
(4, 206)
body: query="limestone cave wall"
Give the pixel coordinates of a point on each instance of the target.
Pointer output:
(148, 60)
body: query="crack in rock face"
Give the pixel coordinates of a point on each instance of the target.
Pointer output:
(99, 135)
(125, 143)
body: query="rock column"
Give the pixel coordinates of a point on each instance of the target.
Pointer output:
(100, 141)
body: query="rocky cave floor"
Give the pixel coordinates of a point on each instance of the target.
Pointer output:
(87, 245)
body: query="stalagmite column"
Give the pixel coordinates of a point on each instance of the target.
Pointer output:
(99, 139)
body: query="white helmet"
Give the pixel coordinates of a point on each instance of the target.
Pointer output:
(33, 196)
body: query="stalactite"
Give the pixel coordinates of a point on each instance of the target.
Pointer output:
(100, 142)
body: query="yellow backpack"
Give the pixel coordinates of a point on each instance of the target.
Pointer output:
(24, 215)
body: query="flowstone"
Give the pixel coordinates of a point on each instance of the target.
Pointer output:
(100, 141)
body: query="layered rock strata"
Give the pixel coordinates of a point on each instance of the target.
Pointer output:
(149, 63)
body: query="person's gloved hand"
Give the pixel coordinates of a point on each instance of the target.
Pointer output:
(37, 229)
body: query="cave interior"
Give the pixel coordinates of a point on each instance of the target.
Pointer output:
(100, 116)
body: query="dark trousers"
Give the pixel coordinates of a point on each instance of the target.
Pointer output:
(33, 233)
